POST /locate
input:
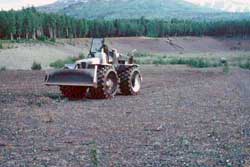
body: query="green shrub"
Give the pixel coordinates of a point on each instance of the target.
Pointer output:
(70, 60)
(81, 56)
(94, 156)
(1, 45)
(36, 66)
(42, 38)
(53, 40)
(226, 68)
(159, 61)
(58, 64)
(139, 54)
(245, 65)
(198, 62)
(177, 61)
(143, 61)
(3, 68)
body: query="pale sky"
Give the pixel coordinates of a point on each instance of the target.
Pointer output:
(18, 4)
(238, 2)
(226, 5)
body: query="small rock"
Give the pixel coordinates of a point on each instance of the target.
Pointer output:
(67, 132)
(160, 128)
(3, 143)
(157, 145)
(185, 142)
(62, 163)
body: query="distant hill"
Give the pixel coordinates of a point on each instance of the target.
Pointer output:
(112, 9)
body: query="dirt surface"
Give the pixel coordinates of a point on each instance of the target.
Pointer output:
(182, 117)
(21, 56)
(179, 44)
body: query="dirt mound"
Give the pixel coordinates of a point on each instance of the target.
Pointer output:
(179, 44)
(21, 56)
(183, 116)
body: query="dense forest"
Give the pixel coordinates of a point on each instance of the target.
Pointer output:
(29, 23)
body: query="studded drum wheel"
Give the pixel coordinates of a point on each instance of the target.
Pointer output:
(107, 84)
(130, 81)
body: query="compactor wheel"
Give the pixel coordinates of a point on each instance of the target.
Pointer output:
(130, 81)
(73, 92)
(107, 84)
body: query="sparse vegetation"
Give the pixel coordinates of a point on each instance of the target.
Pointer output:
(193, 61)
(54, 96)
(70, 60)
(36, 66)
(94, 155)
(239, 59)
(1, 45)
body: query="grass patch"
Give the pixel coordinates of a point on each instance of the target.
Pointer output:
(42, 39)
(36, 66)
(193, 61)
(54, 96)
(46, 39)
(197, 60)
(70, 60)
(202, 62)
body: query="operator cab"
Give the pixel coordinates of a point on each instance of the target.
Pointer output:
(100, 50)
(96, 47)
(99, 54)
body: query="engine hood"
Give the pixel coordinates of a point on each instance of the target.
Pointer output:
(90, 61)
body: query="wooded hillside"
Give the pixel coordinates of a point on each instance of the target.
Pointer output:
(28, 23)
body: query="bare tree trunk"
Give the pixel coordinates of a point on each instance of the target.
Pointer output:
(11, 36)
(38, 34)
(67, 32)
(55, 34)
(34, 35)
(19, 36)
(50, 33)
(27, 35)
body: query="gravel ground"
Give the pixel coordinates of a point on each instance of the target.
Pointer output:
(183, 117)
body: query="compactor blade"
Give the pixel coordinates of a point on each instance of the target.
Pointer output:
(85, 77)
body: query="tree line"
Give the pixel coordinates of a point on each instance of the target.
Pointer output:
(29, 23)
